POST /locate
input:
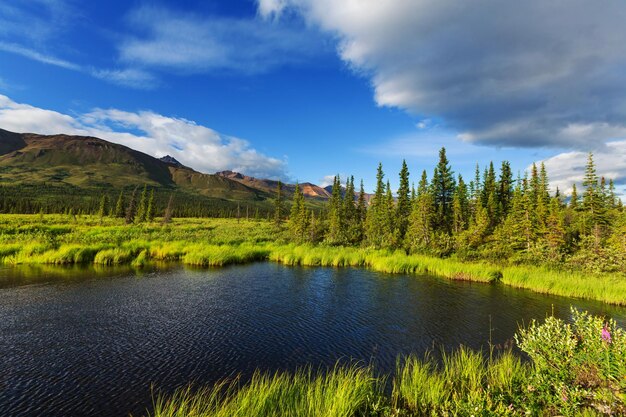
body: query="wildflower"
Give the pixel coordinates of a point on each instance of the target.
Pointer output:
(606, 334)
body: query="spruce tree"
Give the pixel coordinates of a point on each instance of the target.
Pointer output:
(336, 220)
(443, 186)
(403, 205)
(476, 188)
(119, 206)
(518, 225)
(535, 186)
(489, 185)
(420, 232)
(555, 231)
(376, 222)
(102, 210)
(389, 239)
(361, 213)
(150, 210)
(544, 186)
(352, 222)
(299, 217)
(143, 205)
(460, 207)
(131, 210)
(169, 211)
(505, 189)
(478, 229)
(593, 202)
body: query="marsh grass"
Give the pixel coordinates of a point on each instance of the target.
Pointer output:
(463, 383)
(466, 382)
(343, 391)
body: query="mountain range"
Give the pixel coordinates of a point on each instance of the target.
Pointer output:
(86, 165)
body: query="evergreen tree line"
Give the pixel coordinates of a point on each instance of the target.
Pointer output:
(66, 199)
(494, 217)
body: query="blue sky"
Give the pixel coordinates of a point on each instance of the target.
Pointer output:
(304, 89)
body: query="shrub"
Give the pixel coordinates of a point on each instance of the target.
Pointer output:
(576, 366)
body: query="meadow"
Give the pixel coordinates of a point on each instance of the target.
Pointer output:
(67, 240)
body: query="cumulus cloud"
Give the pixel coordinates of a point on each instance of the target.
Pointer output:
(192, 43)
(193, 145)
(568, 168)
(527, 73)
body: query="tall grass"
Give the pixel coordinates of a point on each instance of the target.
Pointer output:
(341, 392)
(211, 255)
(465, 383)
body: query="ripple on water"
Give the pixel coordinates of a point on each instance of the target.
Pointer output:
(90, 345)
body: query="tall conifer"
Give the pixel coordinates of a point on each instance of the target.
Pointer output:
(443, 186)
(403, 206)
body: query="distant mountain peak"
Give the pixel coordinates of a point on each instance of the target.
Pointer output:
(232, 175)
(171, 160)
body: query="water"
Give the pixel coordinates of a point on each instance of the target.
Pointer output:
(85, 342)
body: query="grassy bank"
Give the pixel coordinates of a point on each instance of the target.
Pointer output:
(66, 240)
(606, 287)
(575, 370)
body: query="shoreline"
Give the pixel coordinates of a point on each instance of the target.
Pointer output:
(607, 288)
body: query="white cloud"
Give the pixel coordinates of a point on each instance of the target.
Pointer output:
(190, 43)
(327, 180)
(35, 21)
(270, 8)
(568, 168)
(193, 145)
(38, 56)
(31, 31)
(129, 77)
(528, 73)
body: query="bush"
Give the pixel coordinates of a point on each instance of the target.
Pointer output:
(576, 366)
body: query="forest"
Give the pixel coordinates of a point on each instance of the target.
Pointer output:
(494, 217)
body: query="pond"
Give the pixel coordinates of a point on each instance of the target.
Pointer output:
(97, 342)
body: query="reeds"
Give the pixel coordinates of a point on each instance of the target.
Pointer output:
(343, 391)
(465, 383)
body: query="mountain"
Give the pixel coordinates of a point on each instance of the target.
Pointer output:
(171, 160)
(54, 171)
(308, 189)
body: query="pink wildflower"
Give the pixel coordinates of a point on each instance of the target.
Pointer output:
(606, 335)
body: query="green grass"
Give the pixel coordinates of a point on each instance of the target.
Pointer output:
(341, 392)
(64, 240)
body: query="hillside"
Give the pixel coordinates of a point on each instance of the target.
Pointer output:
(51, 171)
(88, 162)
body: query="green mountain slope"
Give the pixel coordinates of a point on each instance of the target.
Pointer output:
(88, 162)
(52, 173)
